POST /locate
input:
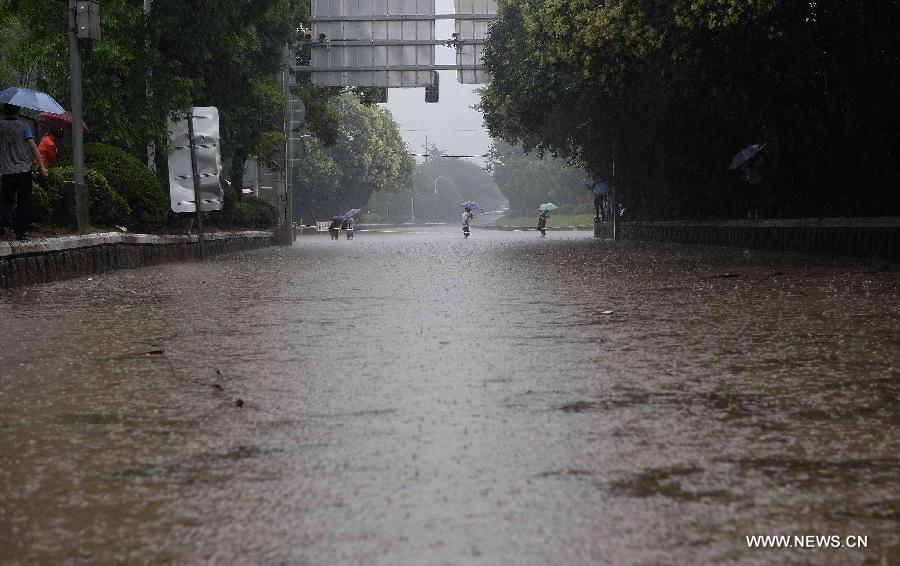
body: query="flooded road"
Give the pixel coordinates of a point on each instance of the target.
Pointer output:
(415, 398)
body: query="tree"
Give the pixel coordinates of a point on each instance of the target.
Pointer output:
(668, 91)
(368, 155)
(223, 53)
(528, 180)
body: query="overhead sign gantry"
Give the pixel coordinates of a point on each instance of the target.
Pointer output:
(390, 43)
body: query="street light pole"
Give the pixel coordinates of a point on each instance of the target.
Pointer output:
(288, 151)
(81, 211)
(151, 145)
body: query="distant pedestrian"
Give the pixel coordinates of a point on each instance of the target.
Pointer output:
(349, 229)
(542, 222)
(601, 200)
(467, 216)
(17, 152)
(334, 229)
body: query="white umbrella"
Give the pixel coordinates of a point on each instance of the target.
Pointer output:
(32, 99)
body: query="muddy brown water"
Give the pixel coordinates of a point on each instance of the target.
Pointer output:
(411, 397)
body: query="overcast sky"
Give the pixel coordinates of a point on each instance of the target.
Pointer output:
(450, 124)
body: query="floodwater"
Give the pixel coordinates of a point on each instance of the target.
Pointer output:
(415, 398)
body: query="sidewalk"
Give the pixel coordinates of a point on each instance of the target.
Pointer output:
(41, 260)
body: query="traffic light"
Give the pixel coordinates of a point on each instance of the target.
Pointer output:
(432, 91)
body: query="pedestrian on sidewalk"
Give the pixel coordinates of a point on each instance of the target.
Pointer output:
(17, 152)
(49, 146)
(599, 191)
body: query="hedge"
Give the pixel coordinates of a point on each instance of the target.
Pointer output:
(146, 197)
(106, 207)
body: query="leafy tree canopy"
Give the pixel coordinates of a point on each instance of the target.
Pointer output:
(668, 91)
(368, 155)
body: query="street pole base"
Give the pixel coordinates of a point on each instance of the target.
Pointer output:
(284, 235)
(77, 202)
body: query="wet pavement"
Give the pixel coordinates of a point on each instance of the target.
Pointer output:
(411, 397)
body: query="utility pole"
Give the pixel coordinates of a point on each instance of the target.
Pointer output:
(151, 146)
(288, 152)
(81, 209)
(195, 175)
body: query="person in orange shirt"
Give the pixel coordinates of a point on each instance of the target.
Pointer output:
(48, 146)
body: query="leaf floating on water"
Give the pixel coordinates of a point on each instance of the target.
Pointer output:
(155, 352)
(239, 403)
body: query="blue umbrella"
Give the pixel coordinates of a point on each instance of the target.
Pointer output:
(32, 99)
(547, 207)
(745, 155)
(472, 205)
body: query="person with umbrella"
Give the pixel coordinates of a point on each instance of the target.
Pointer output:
(17, 152)
(468, 215)
(349, 220)
(544, 216)
(334, 229)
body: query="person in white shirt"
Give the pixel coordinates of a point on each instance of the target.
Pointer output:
(466, 217)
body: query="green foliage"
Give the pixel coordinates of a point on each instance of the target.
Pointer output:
(667, 92)
(147, 199)
(249, 212)
(106, 207)
(150, 66)
(41, 209)
(529, 180)
(368, 155)
(322, 119)
(254, 212)
(456, 181)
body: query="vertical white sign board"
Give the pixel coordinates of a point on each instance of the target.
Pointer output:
(209, 161)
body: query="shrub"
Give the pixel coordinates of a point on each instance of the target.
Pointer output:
(147, 199)
(264, 214)
(41, 209)
(253, 215)
(249, 212)
(106, 206)
(229, 215)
